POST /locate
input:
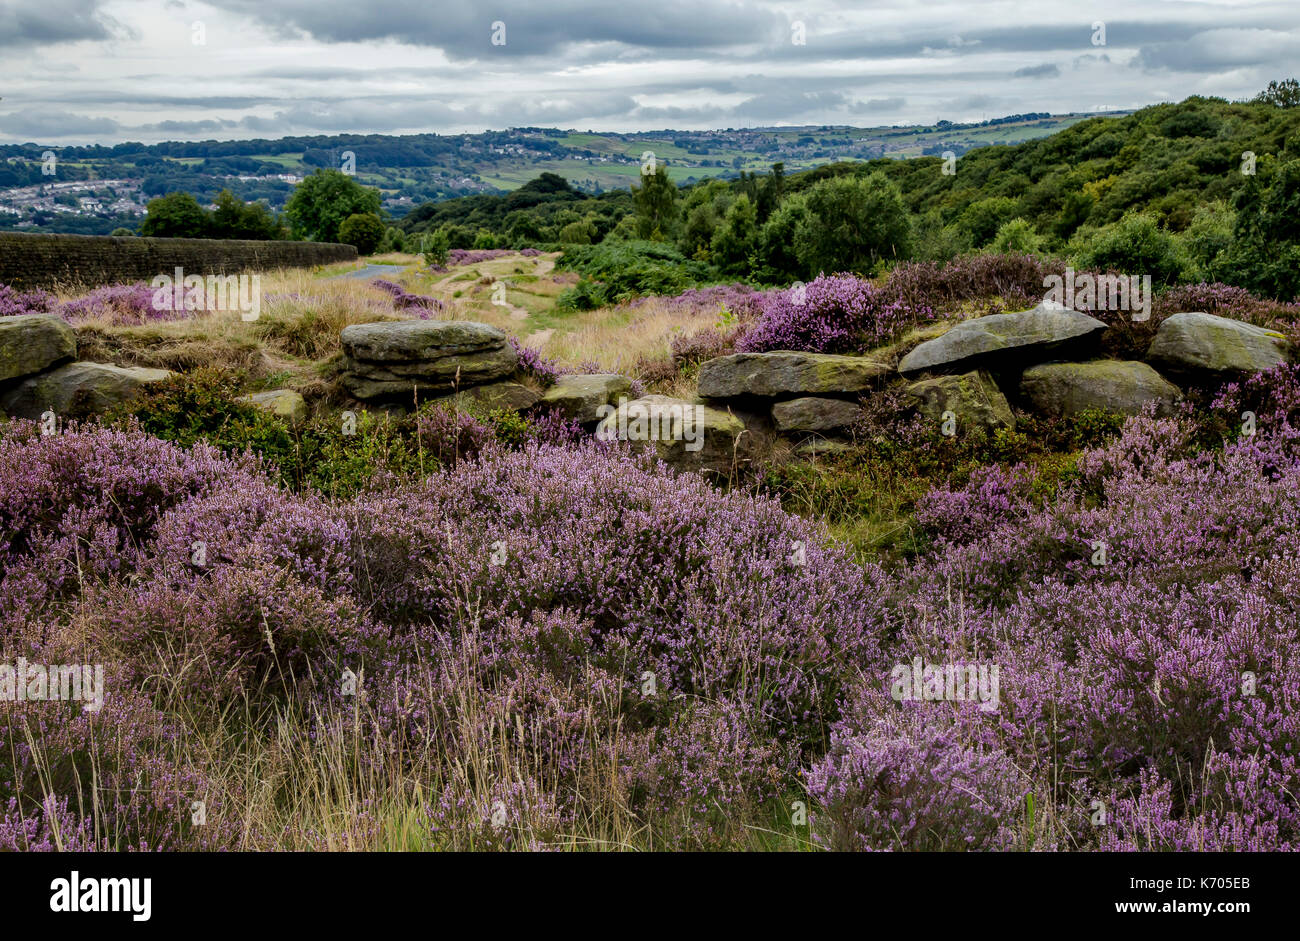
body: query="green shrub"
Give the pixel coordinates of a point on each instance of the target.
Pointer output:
(852, 225)
(1136, 245)
(365, 230)
(618, 271)
(1016, 235)
(984, 218)
(203, 406)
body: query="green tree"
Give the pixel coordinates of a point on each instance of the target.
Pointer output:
(777, 259)
(175, 216)
(656, 205)
(581, 232)
(394, 240)
(434, 248)
(853, 224)
(737, 237)
(1208, 235)
(1283, 94)
(983, 218)
(365, 230)
(933, 240)
(235, 219)
(458, 236)
(1074, 212)
(771, 193)
(1016, 235)
(321, 202)
(1265, 251)
(522, 227)
(1136, 245)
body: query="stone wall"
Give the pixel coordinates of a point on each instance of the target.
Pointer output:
(30, 260)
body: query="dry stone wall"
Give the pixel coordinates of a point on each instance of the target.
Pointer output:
(31, 260)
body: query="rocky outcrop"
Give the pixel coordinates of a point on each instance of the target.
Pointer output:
(78, 388)
(1065, 389)
(998, 340)
(283, 403)
(394, 360)
(784, 374)
(813, 414)
(685, 435)
(512, 396)
(973, 398)
(32, 343)
(579, 397)
(1198, 344)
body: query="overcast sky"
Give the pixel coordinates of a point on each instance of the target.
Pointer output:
(75, 71)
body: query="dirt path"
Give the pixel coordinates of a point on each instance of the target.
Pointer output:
(537, 338)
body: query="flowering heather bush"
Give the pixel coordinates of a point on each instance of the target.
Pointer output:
(502, 573)
(705, 345)
(734, 302)
(472, 256)
(1226, 301)
(79, 506)
(123, 304)
(901, 779)
(404, 300)
(544, 634)
(534, 364)
(837, 314)
(1162, 678)
(1273, 396)
(13, 302)
(1015, 278)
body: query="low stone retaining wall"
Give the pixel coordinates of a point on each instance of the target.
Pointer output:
(31, 260)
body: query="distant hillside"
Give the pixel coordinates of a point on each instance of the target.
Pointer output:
(96, 189)
(1201, 190)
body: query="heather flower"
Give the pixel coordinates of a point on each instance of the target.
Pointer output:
(14, 303)
(839, 314)
(473, 256)
(404, 300)
(533, 363)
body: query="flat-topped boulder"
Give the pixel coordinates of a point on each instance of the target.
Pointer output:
(1206, 344)
(414, 341)
(30, 343)
(973, 398)
(685, 435)
(787, 374)
(814, 414)
(1043, 332)
(512, 396)
(78, 388)
(579, 397)
(397, 359)
(283, 403)
(1124, 386)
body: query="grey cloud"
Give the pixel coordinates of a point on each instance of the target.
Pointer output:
(877, 105)
(710, 113)
(43, 123)
(464, 31)
(1046, 70)
(789, 104)
(24, 24)
(190, 127)
(1219, 49)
